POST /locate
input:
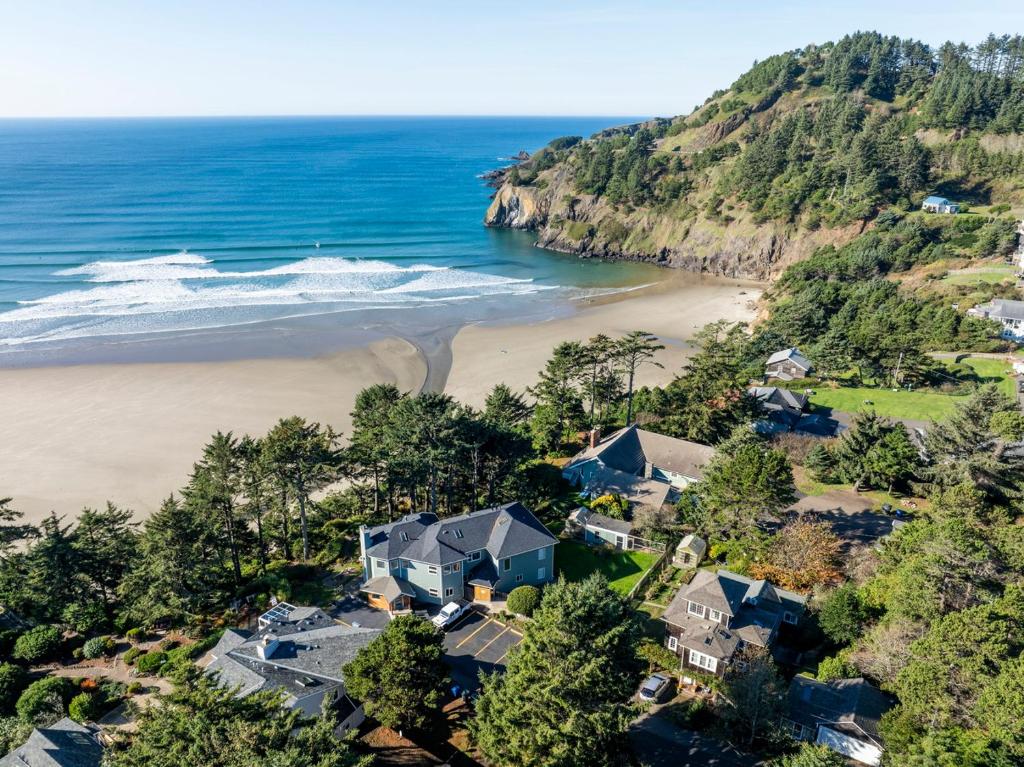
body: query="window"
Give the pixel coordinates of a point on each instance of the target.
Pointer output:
(673, 643)
(542, 573)
(475, 556)
(432, 569)
(382, 563)
(396, 564)
(447, 569)
(714, 615)
(506, 564)
(433, 592)
(700, 660)
(519, 578)
(457, 567)
(695, 609)
(797, 729)
(449, 591)
(542, 553)
(788, 617)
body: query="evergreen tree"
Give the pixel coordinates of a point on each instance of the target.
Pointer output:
(632, 351)
(400, 675)
(105, 542)
(561, 699)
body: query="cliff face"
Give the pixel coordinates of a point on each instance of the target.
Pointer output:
(589, 226)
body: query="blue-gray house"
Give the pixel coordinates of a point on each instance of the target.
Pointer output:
(478, 556)
(933, 204)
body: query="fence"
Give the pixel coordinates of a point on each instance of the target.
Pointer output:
(657, 567)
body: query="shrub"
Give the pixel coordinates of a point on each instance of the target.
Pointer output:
(37, 644)
(523, 600)
(131, 654)
(134, 688)
(835, 667)
(95, 647)
(658, 656)
(44, 700)
(85, 707)
(136, 635)
(12, 682)
(13, 732)
(151, 662)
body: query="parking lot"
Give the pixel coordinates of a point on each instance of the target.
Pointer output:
(477, 643)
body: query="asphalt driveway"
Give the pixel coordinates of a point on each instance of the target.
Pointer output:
(477, 643)
(658, 742)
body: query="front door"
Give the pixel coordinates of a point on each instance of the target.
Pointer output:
(481, 594)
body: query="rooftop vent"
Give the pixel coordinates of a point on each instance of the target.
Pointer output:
(458, 534)
(307, 681)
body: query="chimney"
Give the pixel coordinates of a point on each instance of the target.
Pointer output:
(595, 436)
(648, 469)
(267, 646)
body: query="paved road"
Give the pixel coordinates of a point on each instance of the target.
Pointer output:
(851, 515)
(658, 742)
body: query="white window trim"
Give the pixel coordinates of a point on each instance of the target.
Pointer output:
(673, 643)
(714, 615)
(702, 661)
(432, 569)
(475, 556)
(449, 592)
(519, 578)
(790, 618)
(542, 554)
(699, 613)
(506, 564)
(542, 573)
(382, 563)
(434, 593)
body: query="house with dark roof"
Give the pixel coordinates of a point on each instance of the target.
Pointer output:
(843, 714)
(787, 365)
(298, 652)
(63, 744)
(717, 614)
(782, 406)
(935, 204)
(477, 556)
(11, 621)
(638, 465)
(1009, 314)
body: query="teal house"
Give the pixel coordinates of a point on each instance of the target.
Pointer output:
(479, 556)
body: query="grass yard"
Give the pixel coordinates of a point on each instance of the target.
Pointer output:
(915, 405)
(991, 275)
(622, 568)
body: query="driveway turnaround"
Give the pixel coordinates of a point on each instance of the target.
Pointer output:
(658, 742)
(477, 643)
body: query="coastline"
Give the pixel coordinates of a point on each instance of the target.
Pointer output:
(128, 432)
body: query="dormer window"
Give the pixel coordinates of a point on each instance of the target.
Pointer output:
(714, 615)
(475, 556)
(789, 618)
(695, 609)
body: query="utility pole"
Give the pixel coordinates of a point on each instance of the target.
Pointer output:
(896, 373)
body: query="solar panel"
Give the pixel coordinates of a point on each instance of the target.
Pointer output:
(278, 612)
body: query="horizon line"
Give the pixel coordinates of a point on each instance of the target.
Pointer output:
(360, 115)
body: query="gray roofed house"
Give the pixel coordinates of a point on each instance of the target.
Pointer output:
(710, 618)
(780, 405)
(600, 529)
(301, 658)
(788, 364)
(935, 204)
(843, 714)
(426, 559)
(639, 453)
(1008, 313)
(65, 743)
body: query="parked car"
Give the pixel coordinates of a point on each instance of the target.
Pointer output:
(655, 688)
(450, 613)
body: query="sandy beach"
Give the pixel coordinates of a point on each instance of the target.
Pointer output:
(80, 435)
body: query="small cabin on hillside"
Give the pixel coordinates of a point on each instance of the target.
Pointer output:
(933, 204)
(787, 365)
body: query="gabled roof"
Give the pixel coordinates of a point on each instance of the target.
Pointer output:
(694, 544)
(587, 518)
(851, 706)
(389, 587)
(65, 743)
(731, 594)
(307, 659)
(792, 355)
(933, 200)
(1002, 308)
(503, 531)
(776, 397)
(629, 450)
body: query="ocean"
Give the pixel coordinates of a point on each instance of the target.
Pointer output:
(192, 238)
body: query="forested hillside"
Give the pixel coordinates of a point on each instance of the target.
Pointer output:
(805, 149)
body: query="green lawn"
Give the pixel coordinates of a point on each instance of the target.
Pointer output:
(915, 405)
(992, 275)
(623, 569)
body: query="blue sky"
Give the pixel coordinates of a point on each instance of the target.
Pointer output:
(228, 57)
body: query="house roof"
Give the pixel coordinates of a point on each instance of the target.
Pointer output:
(587, 518)
(1002, 308)
(484, 574)
(389, 587)
(285, 618)
(694, 544)
(852, 706)
(776, 397)
(65, 743)
(933, 200)
(629, 450)
(792, 355)
(731, 593)
(307, 660)
(503, 531)
(638, 490)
